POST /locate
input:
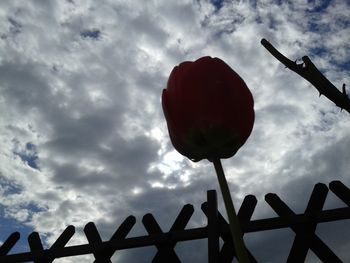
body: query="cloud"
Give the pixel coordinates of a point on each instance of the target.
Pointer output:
(82, 134)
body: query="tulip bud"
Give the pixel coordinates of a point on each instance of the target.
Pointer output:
(208, 108)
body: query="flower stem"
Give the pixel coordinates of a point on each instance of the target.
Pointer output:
(235, 229)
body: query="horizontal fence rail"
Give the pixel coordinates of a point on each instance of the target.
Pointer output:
(303, 225)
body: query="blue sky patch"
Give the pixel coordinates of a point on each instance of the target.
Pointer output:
(321, 7)
(217, 3)
(319, 51)
(91, 33)
(8, 226)
(29, 155)
(344, 65)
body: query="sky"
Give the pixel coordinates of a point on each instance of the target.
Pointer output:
(83, 137)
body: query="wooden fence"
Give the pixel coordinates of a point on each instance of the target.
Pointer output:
(304, 226)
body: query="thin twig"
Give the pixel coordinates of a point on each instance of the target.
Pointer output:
(308, 71)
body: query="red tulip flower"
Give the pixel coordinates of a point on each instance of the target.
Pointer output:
(210, 115)
(208, 108)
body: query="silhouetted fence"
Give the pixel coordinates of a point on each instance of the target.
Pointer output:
(304, 226)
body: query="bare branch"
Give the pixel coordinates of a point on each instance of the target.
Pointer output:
(308, 71)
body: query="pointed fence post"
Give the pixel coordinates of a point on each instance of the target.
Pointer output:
(213, 227)
(60, 242)
(166, 252)
(36, 246)
(340, 190)
(94, 238)
(244, 214)
(303, 238)
(9, 243)
(316, 244)
(227, 252)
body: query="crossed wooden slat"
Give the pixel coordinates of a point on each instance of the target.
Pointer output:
(305, 238)
(36, 246)
(227, 252)
(340, 190)
(9, 243)
(166, 251)
(40, 255)
(304, 226)
(94, 238)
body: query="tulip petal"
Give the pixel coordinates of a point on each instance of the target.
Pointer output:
(209, 109)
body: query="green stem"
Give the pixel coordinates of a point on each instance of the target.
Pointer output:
(235, 229)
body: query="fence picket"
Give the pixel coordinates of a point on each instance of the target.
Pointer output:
(303, 238)
(121, 233)
(340, 190)
(213, 231)
(93, 236)
(9, 243)
(36, 246)
(316, 244)
(227, 253)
